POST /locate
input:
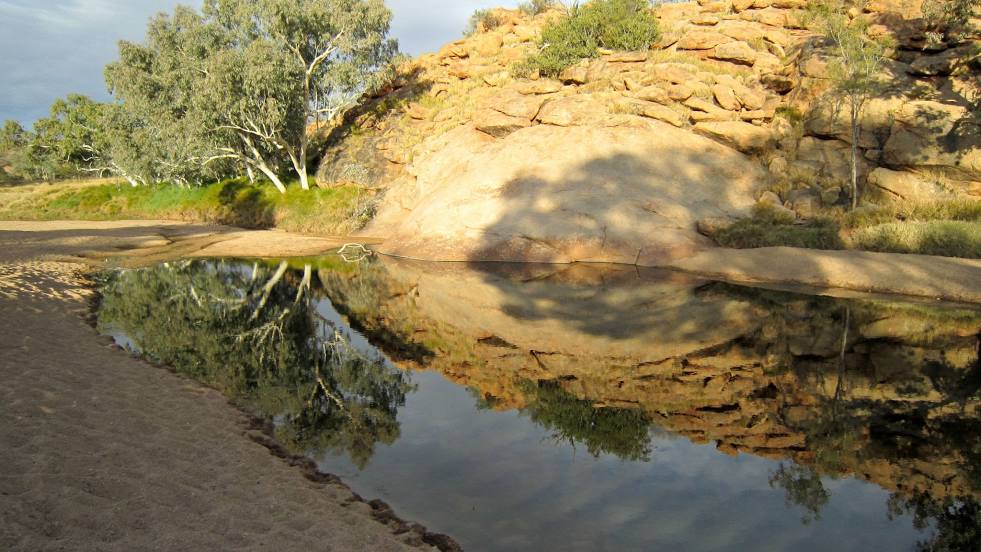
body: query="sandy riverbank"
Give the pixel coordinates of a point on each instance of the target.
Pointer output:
(101, 451)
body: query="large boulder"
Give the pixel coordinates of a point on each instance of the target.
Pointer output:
(702, 40)
(736, 52)
(574, 110)
(831, 158)
(903, 186)
(362, 159)
(929, 134)
(745, 137)
(510, 102)
(832, 119)
(628, 194)
(498, 124)
(944, 63)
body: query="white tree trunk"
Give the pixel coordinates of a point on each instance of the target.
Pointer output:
(855, 136)
(261, 165)
(300, 167)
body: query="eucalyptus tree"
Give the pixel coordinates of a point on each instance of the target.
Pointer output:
(156, 83)
(238, 84)
(13, 145)
(331, 50)
(12, 135)
(857, 62)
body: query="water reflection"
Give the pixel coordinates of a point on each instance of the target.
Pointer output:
(256, 333)
(826, 393)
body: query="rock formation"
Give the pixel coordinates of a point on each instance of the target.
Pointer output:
(620, 156)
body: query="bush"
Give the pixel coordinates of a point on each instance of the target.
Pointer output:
(949, 228)
(535, 7)
(949, 20)
(483, 20)
(622, 25)
(756, 232)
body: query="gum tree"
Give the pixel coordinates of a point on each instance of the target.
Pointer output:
(857, 58)
(237, 85)
(156, 84)
(325, 49)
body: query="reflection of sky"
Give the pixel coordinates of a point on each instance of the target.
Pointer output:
(494, 480)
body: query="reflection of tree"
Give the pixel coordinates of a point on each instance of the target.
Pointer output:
(256, 335)
(956, 522)
(618, 431)
(361, 297)
(803, 487)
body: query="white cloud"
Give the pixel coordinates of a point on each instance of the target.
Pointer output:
(71, 14)
(51, 48)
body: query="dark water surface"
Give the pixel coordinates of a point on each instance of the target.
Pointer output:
(591, 408)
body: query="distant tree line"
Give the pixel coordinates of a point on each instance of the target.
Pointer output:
(225, 91)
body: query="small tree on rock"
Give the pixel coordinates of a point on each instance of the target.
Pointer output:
(857, 59)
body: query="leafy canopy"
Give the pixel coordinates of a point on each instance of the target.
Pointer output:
(621, 25)
(236, 85)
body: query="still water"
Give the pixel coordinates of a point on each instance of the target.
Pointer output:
(591, 408)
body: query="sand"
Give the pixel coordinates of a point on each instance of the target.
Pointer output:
(102, 451)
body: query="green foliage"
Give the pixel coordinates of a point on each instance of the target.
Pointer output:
(210, 94)
(12, 135)
(13, 149)
(855, 68)
(234, 202)
(622, 25)
(256, 335)
(803, 487)
(768, 232)
(618, 431)
(949, 20)
(955, 521)
(914, 211)
(483, 21)
(536, 7)
(950, 228)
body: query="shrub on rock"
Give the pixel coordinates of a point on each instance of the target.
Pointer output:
(619, 25)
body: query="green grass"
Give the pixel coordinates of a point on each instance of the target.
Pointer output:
(947, 238)
(949, 228)
(752, 232)
(232, 202)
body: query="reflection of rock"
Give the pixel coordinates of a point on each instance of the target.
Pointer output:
(585, 311)
(756, 372)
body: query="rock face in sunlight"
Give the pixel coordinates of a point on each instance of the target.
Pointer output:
(629, 192)
(734, 98)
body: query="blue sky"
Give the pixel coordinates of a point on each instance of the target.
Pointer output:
(50, 51)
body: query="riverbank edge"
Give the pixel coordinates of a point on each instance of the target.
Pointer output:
(262, 432)
(141, 243)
